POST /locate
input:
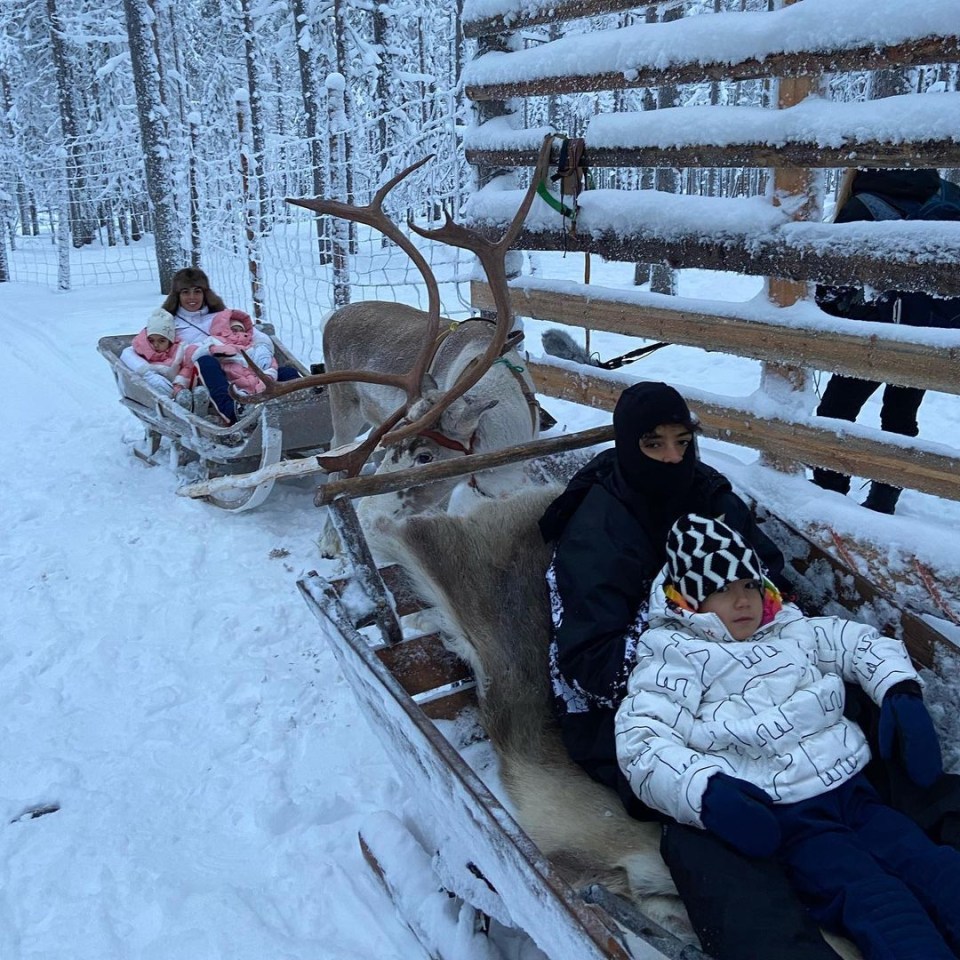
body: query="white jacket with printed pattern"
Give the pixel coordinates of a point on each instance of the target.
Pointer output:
(768, 710)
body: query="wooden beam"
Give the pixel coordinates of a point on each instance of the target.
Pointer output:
(765, 257)
(916, 467)
(795, 191)
(934, 49)
(853, 354)
(399, 479)
(368, 486)
(551, 12)
(932, 153)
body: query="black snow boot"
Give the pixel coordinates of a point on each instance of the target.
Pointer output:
(882, 497)
(831, 480)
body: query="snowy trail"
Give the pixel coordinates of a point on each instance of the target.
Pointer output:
(167, 687)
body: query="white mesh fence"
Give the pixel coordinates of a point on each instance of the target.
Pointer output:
(296, 288)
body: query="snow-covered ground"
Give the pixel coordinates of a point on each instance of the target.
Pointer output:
(167, 689)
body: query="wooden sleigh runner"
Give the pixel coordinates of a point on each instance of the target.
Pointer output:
(420, 699)
(290, 427)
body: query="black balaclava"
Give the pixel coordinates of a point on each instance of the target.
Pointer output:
(655, 492)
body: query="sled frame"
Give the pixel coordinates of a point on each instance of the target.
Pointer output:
(286, 428)
(402, 687)
(404, 684)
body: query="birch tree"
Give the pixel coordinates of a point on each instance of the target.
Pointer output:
(156, 147)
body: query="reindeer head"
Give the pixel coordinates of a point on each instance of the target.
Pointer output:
(453, 435)
(420, 415)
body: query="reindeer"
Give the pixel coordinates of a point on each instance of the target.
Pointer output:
(464, 391)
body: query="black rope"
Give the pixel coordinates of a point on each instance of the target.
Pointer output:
(616, 362)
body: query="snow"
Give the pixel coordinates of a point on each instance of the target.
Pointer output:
(199, 763)
(169, 691)
(718, 38)
(751, 221)
(825, 123)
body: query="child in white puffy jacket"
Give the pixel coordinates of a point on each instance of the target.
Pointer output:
(159, 357)
(733, 722)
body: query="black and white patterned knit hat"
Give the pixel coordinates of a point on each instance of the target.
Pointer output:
(704, 555)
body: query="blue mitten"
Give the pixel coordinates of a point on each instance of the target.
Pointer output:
(904, 720)
(739, 812)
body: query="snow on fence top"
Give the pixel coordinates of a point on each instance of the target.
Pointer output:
(824, 26)
(749, 235)
(911, 118)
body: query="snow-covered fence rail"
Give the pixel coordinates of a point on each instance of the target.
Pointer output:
(898, 131)
(812, 37)
(763, 236)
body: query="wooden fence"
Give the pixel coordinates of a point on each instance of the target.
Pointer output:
(775, 242)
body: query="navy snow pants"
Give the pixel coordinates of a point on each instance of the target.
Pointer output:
(869, 871)
(740, 908)
(215, 380)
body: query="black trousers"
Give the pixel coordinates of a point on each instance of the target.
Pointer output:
(844, 399)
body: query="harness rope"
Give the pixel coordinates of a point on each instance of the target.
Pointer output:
(573, 175)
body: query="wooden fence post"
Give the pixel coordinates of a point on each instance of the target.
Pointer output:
(794, 188)
(339, 229)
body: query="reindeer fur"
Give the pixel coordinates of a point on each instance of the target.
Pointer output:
(484, 573)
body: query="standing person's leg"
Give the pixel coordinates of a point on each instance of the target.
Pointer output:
(897, 415)
(846, 887)
(843, 399)
(932, 872)
(215, 380)
(741, 909)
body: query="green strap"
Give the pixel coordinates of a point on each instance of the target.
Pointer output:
(509, 365)
(561, 208)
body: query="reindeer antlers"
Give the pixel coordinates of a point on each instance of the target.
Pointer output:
(373, 215)
(492, 257)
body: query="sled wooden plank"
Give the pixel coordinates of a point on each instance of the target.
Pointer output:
(395, 581)
(389, 887)
(449, 706)
(462, 808)
(423, 663)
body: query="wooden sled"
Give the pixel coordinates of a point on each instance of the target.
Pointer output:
(419, 699)
(289, 427)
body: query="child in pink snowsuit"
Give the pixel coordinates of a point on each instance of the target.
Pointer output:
(159, 357)
(232, 331)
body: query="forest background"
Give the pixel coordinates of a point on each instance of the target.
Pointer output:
(177, 128)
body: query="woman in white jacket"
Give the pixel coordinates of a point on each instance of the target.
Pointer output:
(733, 722)
(193, 306)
